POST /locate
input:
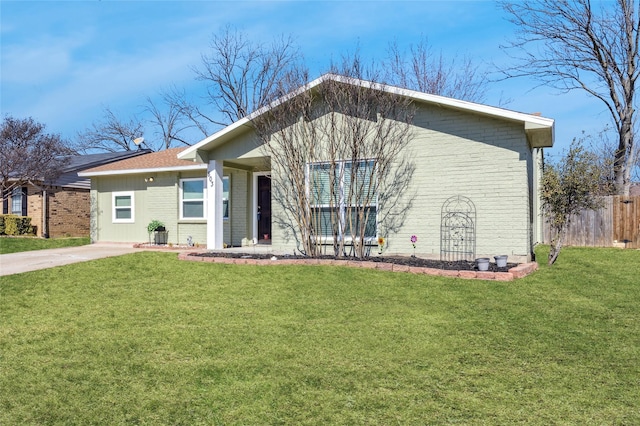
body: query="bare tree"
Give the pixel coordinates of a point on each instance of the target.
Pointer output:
(171, 122)
(28, 154)
(338, 162)
(111, 134)
(175, 99)
(242, 76)
(571, 44)
(239, 75)
(421, 69)
(604, 145)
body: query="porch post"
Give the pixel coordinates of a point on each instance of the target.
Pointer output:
(214, 205)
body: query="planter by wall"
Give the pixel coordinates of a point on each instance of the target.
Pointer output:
(482, 263)
(501, 261)
(160, 237)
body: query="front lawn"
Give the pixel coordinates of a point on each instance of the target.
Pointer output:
(148, 339)
(18, 244)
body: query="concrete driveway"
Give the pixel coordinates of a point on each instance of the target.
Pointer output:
(15, 263)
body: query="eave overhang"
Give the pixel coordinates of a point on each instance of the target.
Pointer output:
(540, 130)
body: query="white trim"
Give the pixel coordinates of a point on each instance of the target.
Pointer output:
(254, 208)
(147, 170)
(215, 227)
(131, 196)
(204, 199)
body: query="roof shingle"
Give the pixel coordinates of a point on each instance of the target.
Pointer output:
(155, 160)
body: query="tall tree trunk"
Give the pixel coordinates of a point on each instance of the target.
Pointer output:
(624, 159)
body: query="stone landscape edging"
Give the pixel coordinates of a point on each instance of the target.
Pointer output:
(519, 271)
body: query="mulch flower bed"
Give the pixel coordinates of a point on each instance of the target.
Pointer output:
(396, 260)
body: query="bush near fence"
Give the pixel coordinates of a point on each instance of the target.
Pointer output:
(16, 225)
(615, 224)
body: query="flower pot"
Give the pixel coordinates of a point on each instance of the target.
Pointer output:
(501, 261)
(482, 263)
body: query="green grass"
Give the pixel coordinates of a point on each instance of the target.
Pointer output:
(18, 244)
(148, 339)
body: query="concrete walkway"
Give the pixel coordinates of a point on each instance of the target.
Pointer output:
(15, 263)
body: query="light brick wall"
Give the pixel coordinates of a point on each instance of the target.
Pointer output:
(484, 159)
(235, 229)
(457, 153)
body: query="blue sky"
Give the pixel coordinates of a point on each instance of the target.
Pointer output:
(63, 61)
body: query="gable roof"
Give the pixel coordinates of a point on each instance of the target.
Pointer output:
(70, 177)
(540, 130)
(82, 162)
(161, 161)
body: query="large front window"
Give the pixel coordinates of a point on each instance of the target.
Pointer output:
(123, 207)
(343, 199)
(193, 198)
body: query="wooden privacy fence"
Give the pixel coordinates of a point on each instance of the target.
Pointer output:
(617, 223)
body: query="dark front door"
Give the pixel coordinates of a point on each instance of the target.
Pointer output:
(264, 208)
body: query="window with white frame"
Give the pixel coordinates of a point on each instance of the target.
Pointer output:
(123, 207)
(225, 197)
(193, 198)
(343, 198)
(16, 201)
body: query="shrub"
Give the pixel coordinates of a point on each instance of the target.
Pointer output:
(572, 184)
(15, 225)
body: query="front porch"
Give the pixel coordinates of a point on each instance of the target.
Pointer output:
(239, 204)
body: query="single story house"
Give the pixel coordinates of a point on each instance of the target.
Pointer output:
(61, 208)
(474, 188)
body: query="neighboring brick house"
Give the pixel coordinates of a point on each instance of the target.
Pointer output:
(62, 207)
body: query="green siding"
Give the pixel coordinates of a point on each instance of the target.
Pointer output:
(160, 200)
(125, 232)
(153, 200)
(483, 159)
(197, 232)
(235, 228)
(456, 153)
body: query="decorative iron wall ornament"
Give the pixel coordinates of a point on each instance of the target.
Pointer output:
(458, 229)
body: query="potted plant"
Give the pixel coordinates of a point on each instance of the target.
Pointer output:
(160, 232)
(155, 225)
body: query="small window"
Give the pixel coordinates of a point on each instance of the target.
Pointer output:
(16, 201)
(123, 211)
(225, 198)
(192, 199)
